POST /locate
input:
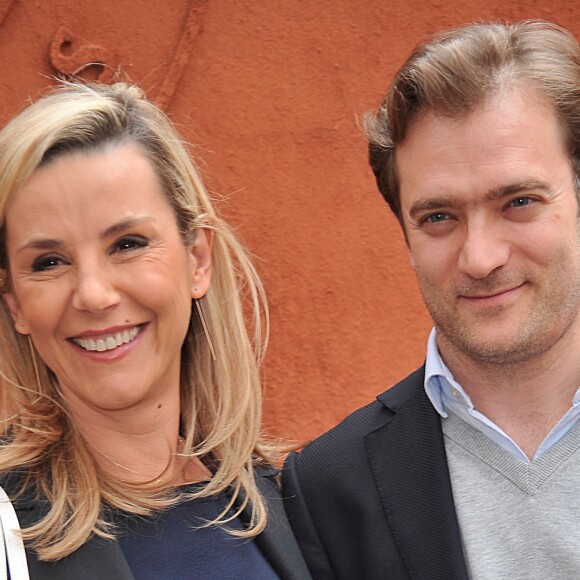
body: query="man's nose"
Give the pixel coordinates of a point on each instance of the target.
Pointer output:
(484, 250)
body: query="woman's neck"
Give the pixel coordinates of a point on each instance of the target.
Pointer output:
(139, 446)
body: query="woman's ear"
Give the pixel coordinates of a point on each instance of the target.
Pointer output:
(14, 307)
(201, 262)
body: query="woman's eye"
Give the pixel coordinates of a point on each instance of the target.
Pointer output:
(128, 243)
(45, 263)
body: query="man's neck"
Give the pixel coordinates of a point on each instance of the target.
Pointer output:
(525, 399)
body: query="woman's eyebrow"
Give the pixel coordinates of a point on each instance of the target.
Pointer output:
(55, 244)
(41, 244)
(125, 225)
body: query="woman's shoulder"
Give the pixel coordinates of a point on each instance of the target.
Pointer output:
(15, 482)
(25, 496)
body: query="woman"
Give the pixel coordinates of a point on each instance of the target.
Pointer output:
(131, 444)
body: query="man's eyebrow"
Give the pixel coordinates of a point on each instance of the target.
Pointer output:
(519, 187)
(429, 204)
(435, 203)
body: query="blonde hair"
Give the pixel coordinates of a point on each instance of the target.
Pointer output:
(458, 69)
(220, 399)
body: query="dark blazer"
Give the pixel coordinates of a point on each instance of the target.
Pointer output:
(98, 559)
(371, 499)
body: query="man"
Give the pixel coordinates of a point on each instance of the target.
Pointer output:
(469, 467)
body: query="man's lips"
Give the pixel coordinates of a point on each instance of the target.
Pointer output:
(107, 341)
(490, 295)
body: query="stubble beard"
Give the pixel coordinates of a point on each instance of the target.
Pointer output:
(553, 311)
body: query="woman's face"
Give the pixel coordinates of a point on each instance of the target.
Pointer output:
(102, 280)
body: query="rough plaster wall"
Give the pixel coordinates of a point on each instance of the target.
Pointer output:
(271, 93)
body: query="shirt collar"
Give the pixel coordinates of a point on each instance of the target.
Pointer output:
(447, 395)
(440, 385)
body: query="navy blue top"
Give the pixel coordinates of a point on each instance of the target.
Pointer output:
(172, 545)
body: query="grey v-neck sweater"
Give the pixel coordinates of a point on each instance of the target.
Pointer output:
(518, 521)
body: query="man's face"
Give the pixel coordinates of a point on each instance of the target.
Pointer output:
(491, 215)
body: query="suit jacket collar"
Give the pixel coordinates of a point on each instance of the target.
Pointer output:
(409, 465)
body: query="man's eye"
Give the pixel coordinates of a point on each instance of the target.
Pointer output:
(128, 243)
(521, 201)
(45, 263)
(436, 217)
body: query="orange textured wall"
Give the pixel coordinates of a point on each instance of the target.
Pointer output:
(271, 92)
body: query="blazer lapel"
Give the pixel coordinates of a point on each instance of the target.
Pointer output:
(98, 558)
(95, 560)
(277, 541)
(407, 457)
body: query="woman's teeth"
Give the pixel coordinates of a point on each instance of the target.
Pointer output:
(109, 342)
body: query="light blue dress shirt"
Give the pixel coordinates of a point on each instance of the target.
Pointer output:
(447, 395)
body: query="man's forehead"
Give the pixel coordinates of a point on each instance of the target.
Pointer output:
(523, 90)
(503, 145)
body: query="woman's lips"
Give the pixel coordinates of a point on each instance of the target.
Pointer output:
(106, 342)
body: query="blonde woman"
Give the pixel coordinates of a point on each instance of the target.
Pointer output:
(131, 393)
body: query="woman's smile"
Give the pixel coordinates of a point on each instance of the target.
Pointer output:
(106, 341)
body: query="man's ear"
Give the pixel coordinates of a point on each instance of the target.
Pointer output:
(14, 307)
(412, 261)
(201, 262)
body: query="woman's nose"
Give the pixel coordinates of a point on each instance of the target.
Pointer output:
(95, 291)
